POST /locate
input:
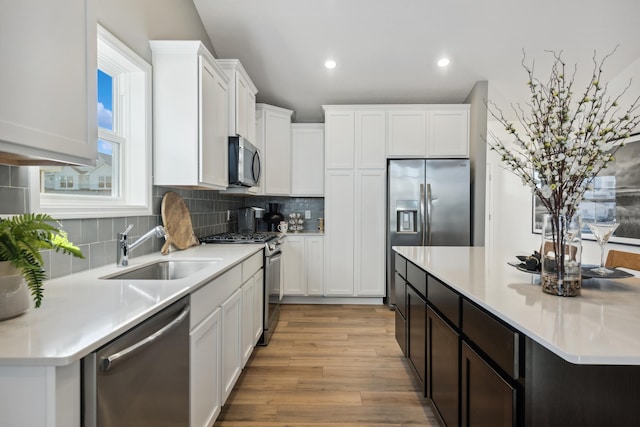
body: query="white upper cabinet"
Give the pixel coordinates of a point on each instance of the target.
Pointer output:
(448, 134)
(48, 83)
(242, 100)
(190, 116)
(370, 139)
(339, 139)
(276, 153)
(407, 133)
(428, 131)
(307, 159)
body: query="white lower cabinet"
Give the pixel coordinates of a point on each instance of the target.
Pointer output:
(224, 329)
(355, 224)
(204, 371)
(339, 232)
(258, 305)
(303, 265)
(248, 302)
(231, 337)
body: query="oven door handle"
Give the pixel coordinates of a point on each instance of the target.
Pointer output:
(107, 362)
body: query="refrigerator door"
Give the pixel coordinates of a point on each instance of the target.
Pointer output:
(403, 212)
(448, 203)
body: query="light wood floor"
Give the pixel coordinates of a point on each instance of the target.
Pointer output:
(328, 365)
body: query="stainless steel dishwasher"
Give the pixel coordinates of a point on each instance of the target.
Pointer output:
(141, 378)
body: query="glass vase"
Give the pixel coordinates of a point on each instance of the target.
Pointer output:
(561, 255)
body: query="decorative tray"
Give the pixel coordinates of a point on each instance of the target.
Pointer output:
(586, 271)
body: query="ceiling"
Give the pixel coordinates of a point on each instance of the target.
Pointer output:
(386, 50)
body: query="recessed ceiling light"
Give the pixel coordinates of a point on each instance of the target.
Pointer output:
(443, 62)
(330, 64)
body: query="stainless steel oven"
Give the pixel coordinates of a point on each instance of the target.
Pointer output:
(272, 287)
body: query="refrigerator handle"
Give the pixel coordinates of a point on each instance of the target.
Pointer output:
(422, 215)
(428, 212)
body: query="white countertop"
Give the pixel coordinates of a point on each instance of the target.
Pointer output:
(81, 312)
(602, 326)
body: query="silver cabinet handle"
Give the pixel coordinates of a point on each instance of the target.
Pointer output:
(106, 362)
(423, 213)
(428, 220)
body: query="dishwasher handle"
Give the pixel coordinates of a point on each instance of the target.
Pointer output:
(107, 362)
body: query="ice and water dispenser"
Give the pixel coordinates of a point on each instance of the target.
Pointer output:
(407, 216)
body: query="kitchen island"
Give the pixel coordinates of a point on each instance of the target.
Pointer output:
(522, 357)
(41, 350)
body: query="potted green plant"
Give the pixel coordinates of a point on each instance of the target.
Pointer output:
(22, 237)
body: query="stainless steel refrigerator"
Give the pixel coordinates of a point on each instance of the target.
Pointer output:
(429, 204)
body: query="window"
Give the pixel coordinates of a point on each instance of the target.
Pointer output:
(120, 182)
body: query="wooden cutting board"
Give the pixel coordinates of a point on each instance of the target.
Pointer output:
(177, 223)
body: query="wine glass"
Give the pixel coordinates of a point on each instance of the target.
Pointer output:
(602, 232)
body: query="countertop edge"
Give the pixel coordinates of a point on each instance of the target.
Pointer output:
(189, 285)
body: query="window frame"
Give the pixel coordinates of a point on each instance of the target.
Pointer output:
(133, 124)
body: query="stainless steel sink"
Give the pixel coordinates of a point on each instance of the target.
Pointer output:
(163, 270)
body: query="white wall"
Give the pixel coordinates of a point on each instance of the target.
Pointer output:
(135, 22)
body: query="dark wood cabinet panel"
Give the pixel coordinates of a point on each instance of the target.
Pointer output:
(495, 339)
(444, 299)
(486, 399)
(417, 278)
(401, 332)
(559, 393)
(401, 266)
(417, 332)
(443, 353)
(401, 295)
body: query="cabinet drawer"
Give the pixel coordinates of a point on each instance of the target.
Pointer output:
(445, 300)
(401, 295)
(401, 266)
(495, 339)
(209, 297)
(417, 278)
(251, 265)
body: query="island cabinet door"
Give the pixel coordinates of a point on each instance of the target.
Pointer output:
(487, 399)
(443, 356)
(416, 323)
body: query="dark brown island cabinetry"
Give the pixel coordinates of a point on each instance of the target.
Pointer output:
(467, 360)
(479, 371)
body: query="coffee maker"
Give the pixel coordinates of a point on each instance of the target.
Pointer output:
(247, 219)
(273, 216)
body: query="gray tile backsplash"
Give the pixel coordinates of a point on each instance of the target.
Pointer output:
(97, 236)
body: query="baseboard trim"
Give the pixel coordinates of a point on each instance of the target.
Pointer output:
(331, 300)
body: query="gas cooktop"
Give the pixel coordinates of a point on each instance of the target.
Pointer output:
(239, 237)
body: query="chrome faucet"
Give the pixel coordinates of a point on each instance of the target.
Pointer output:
(124, 247)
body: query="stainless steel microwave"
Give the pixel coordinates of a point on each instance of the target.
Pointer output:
(244, 163)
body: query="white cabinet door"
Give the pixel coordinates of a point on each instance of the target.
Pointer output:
(258, 305)
(448, 134)
(294, 265)
(48, 101)
(370, 139)
(370, 233)
(406, 133)
(231, 335)
(248, 291)
(241, 101)
(205, 371)
(250, 111)
(277, 151)
(189, 96)
(339, 139)
(314, 263)
(339, 232)
(307, 159)
(213, 159)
